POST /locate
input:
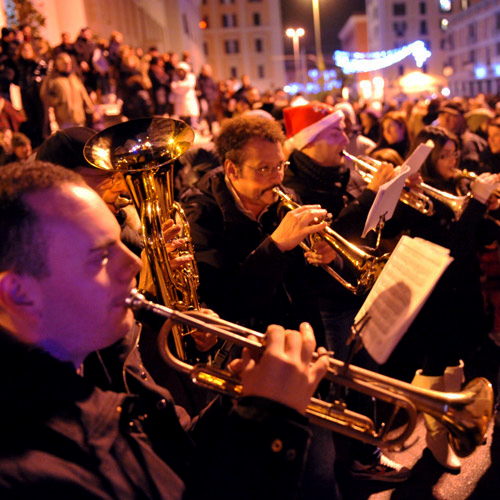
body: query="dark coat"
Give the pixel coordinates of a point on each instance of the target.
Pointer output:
(68, 438)
(243, 275)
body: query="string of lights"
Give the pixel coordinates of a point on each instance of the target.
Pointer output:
(363, 62)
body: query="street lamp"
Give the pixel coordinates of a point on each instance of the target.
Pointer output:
(295, 34)
(317, 37)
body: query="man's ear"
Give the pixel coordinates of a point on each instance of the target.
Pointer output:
(231, 169)
(17, 293)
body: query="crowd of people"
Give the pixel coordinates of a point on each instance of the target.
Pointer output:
(86, 419)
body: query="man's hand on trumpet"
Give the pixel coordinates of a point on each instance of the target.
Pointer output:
(297, 225)
(321, 253)
(286, 370)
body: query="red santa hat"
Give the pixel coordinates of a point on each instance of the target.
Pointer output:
(304, 123)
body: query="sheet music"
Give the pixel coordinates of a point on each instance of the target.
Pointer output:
(399, 293)
(388, 194)
(419, 155)
(386, 200)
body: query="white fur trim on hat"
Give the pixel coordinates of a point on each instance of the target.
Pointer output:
(306, 135)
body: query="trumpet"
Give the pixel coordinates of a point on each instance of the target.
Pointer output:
(364, 266)
(472, 176)
(418, 198)
(466, 414)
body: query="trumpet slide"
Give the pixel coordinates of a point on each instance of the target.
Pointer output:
(466, 414)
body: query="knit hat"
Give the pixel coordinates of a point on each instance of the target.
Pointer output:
(304, 123)
(65, 147)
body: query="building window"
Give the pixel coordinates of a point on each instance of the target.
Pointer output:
(498, 48)
(399, 9)
(259, 46)
(423, 27)
(422, 6)
(464, 4)
(256, 19)
(444, 24)
(401, 70)
(226, 2)
(229, 21)
(472, 32)
(232, 46)
(260, 71)
(451, 41)
(205, 48)
(205, 23)
(255, 1)
(424, 68)
(472, 56)
(185, 24)
(445, 5)
(399, 28)
(497, 23)
(234, 72)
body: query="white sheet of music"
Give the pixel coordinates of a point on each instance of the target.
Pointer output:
(386, 200)
(388, 194)
(399, 293)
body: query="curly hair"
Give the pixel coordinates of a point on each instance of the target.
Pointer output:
(237, 132)
(23, 245)
(439, 136)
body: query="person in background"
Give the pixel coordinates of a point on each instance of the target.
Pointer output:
(452, 118)
(21, 148)
(394, 134)
(63, 91)
(183, 94)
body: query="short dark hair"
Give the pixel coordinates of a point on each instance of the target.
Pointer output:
(236, 132)
(23, 245)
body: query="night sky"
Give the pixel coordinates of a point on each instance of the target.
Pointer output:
(333, 15)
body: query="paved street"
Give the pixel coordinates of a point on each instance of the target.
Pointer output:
(479, 478)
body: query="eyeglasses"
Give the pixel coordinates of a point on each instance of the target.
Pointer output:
(268, 171)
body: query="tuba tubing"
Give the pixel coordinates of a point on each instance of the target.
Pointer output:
(466, 415)
(143, 150)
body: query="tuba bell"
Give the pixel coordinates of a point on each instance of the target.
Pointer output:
(143, 151)
(364, 267)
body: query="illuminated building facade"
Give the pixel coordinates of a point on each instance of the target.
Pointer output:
(473, 49)
(395, 23)
(244, 37)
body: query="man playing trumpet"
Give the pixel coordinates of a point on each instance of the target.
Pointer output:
(64, 278)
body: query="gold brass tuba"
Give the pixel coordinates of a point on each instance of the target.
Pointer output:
(364, 266)
(466, 414)
(142, 150)
(417, 198)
